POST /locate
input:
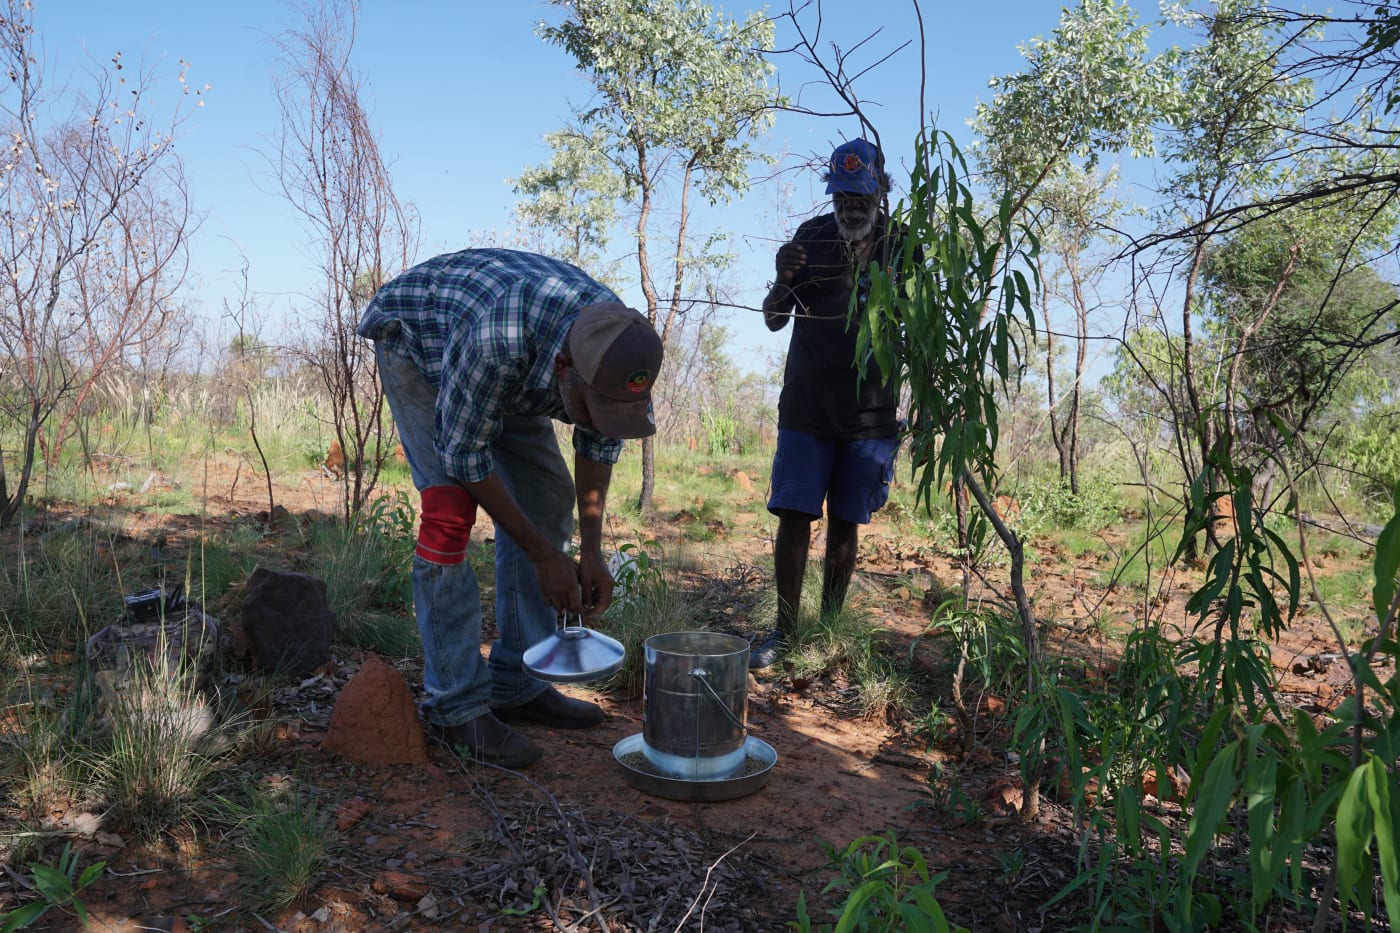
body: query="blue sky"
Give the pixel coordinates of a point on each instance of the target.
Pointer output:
(462, 94)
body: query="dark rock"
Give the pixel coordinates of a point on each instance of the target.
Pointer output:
(287, 621)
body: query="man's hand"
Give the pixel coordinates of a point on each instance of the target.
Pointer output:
(583, 587)
(779, 302)
(596, 582)
(558, 575)
(792, 256)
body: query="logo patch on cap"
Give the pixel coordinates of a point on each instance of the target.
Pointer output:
(852, 162)
(637, 382)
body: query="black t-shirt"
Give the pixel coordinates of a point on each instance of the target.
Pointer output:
(822, 393)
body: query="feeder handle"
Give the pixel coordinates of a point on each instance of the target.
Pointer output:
(701, 675)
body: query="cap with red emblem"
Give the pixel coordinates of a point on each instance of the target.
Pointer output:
(854, 168)
(618, 353)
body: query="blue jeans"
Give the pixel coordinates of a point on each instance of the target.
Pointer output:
(460, 685)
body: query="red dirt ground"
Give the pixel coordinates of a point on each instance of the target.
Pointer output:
(454, 847)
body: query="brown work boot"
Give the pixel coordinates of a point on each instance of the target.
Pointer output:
(488, 740)
(555, 710)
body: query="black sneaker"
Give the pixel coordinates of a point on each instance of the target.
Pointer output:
(765, 653)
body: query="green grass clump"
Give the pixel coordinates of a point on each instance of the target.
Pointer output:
(825, 644)
(644, 604)
(64, 584)
(1079, 542)
(1142, 559)
(221, 562)
(283, 845)
(846, 642)
(367, 566)
(40, 761)
(158, 752)
(883, 690)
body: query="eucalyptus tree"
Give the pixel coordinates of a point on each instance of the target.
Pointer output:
(949, 329)
(680, 93)
(1347, 51)
(1092, 87)
(1240, 151)
(1294, 306)
(1075, 217)
(575, 195)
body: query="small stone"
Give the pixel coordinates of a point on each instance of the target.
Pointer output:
(1003, 798)
(401, 885)
(351, 812)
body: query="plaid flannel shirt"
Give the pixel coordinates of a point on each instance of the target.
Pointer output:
(483, 326)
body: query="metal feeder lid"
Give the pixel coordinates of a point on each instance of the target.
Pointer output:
(574, 654)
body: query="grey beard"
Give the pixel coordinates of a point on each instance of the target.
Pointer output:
(856, 233)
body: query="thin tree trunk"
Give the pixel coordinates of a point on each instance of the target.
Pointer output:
(1081, 354)
(1050, 401)
(1030, 806)
(644, 497)
(1188, 376)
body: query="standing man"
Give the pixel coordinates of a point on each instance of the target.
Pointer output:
(478, 351)
(837, 434)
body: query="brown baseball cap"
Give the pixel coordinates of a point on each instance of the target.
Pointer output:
(618, 353)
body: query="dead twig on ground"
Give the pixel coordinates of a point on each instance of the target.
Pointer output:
(706, 884)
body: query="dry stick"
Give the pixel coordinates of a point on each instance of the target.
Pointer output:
(489, 802)
(266, 925)
(237, 472)
(711, 896)
(966, 720)
(550, 907)
(257, 445)
(706, 883)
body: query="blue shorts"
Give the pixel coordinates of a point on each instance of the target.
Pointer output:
(851, 477)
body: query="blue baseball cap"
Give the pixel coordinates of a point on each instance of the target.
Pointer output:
(854, 169)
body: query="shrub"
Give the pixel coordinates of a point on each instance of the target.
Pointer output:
(888, 887)
(1046, 505)
(1371, 451)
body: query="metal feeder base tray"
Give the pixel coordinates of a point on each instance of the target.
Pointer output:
(716, 789)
